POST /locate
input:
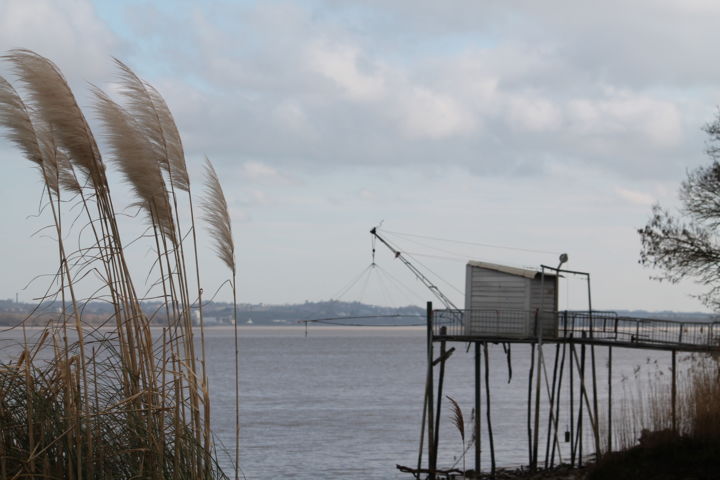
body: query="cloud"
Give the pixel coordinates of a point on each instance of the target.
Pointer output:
(69, 33)
(328, 85)
(636, 198)
(257, 170)
(342, 65)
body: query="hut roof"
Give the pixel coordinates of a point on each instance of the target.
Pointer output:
(520, 272)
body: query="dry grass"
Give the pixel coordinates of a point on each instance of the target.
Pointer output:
(125, 404)
(648, 406)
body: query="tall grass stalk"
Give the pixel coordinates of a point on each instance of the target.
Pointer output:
(217, 216)
(138, 406)
(648, 404)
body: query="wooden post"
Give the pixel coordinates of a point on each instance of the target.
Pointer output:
(572, 404)
(674, 392)
(422, 427)
(596, 424)
(609, 427)
(487, 410)
(552, 421)
(529, 404)
(596, 427)
(556, 444)
(540, 322)
(478, 435)
(432, 458)
(581, 369)
(441, 379)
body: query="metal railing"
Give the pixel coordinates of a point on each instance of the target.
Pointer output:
(512, 324)
(601, 327)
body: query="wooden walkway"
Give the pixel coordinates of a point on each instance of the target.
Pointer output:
(592, 328)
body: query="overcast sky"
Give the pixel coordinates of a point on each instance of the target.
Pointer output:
(545, 126)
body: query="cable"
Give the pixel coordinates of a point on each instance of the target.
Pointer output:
(351, 284)
(383, 289)
(454, 254)
(335, 320)
(399, 283)
(436, 275)
(365, 283)
(487, 245)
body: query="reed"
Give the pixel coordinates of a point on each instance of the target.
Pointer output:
(457, 419)
(655, 446)
(647, 409)
(118, 402)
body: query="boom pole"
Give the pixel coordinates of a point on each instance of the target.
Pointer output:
(420, 276)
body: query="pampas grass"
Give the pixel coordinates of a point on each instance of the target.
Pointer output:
(217, 216)
(457, 419)
(126, 404)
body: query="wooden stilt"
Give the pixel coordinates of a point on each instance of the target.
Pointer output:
(422, 427)
(609, 422)
(551, 417)
(572, 405)
(487, 411)
(595, 425)
(441, 379)
(674, 392)
(580, 406)
(432, 458)
(536, 432)
(529, 404)
(556, 444)
(478, 436)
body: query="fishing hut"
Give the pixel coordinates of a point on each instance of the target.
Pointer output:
(508, 302)
(509, 305)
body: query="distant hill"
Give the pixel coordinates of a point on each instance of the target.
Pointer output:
(670, 315)
(221, 313)
(334, 311)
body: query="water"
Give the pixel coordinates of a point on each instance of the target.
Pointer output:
(347, 402)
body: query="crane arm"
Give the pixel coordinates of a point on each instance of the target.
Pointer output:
(418, 274)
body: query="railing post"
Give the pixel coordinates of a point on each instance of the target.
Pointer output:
(616, 327)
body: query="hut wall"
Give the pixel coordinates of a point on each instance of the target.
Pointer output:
(543, 296)
(503, 304)
(498, 304)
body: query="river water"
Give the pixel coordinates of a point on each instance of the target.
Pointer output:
(346, 402)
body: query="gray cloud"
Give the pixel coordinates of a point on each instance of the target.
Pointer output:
(505, 91)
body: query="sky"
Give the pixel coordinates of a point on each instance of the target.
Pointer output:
(518, 130)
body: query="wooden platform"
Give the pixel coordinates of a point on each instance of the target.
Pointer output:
(591, 328)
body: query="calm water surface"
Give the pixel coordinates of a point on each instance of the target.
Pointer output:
(347, 402)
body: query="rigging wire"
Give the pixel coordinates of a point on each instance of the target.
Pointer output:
(343, 291)
(365, 283)
(440, 257)
(400, 284)
(454, 254)
(328, 322)
(435, 274)
(383, 288)
(487, 245)
(337, 320)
